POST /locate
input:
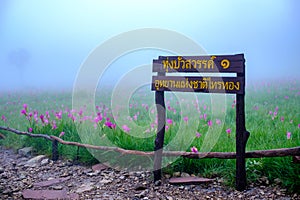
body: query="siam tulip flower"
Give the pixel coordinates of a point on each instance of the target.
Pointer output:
(255, 108)
(228, 131)
(298, 125)
(110, 124)
(3, 118)
(201, 116)
(23, 112)
(282, 119)
(25, 107)
(47, 114)
(270, 113)
(126, 128)
(288, 135)
(30, 130)
(204, 116)
(135, 117)
(167, 127)
(186, 119)
(218, 121)
(169, 121)
(42, 118)
(61, 134)
(286, 97)
(194, 149)
(80, 112)
(198, 134)
(54, 125)
(209, 123)
(58, 115)
(148, 130)
(276, 109)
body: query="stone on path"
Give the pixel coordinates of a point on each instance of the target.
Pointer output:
(33, 162)
(48, 194)
(85, 187)
(50, 182)
(99, 167)
(189, 180)
(26, 151)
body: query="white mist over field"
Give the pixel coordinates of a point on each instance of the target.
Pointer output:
(44, 43)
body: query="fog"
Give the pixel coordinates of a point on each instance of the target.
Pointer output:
(43, 44)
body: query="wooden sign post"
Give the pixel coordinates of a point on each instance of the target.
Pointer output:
(209, 84)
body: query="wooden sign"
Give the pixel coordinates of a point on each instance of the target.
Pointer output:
(233, 85)
(208, 84)
(196, 64)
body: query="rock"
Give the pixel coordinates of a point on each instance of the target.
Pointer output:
(85, 187)
(57, 187)
(48, 194)
(45, 161)
(176, 174)
(26, 151)
(1, 170)
(51, 182)
(33, 162)
(105, 181)
(183, 174)
(169, 198)
(99, 167)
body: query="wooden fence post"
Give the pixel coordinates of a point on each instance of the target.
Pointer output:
(54, 150)
(241, 139)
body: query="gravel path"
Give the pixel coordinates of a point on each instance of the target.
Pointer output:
(20, 175)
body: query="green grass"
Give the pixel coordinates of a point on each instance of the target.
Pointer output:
(268, 131)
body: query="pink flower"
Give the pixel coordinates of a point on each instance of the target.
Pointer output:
(54, 125)
(270, 113)
(23, 112)
(25, 106)
(218, 121)
(30, 130)
(209, 123)
(204, 116)
(288, 135)
(126, 128)
(3, 118)
(228, 131)
(42, 118)
(282, 119)
(135, 117)
(58, 115)
(186, 119)
(198, 134)
(109, 124)
(169, 121)
(61, 134)
(167, 127)
(298, 125)
(194, 149)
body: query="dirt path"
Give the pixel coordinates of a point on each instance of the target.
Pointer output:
(38, 177)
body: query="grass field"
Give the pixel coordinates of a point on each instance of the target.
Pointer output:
(194, 123)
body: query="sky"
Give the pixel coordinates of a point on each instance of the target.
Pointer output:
(56, 37)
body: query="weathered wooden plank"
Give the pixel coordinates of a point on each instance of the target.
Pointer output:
(233, 85)
(200, 64)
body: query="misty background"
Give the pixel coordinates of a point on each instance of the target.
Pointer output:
(44, 43)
